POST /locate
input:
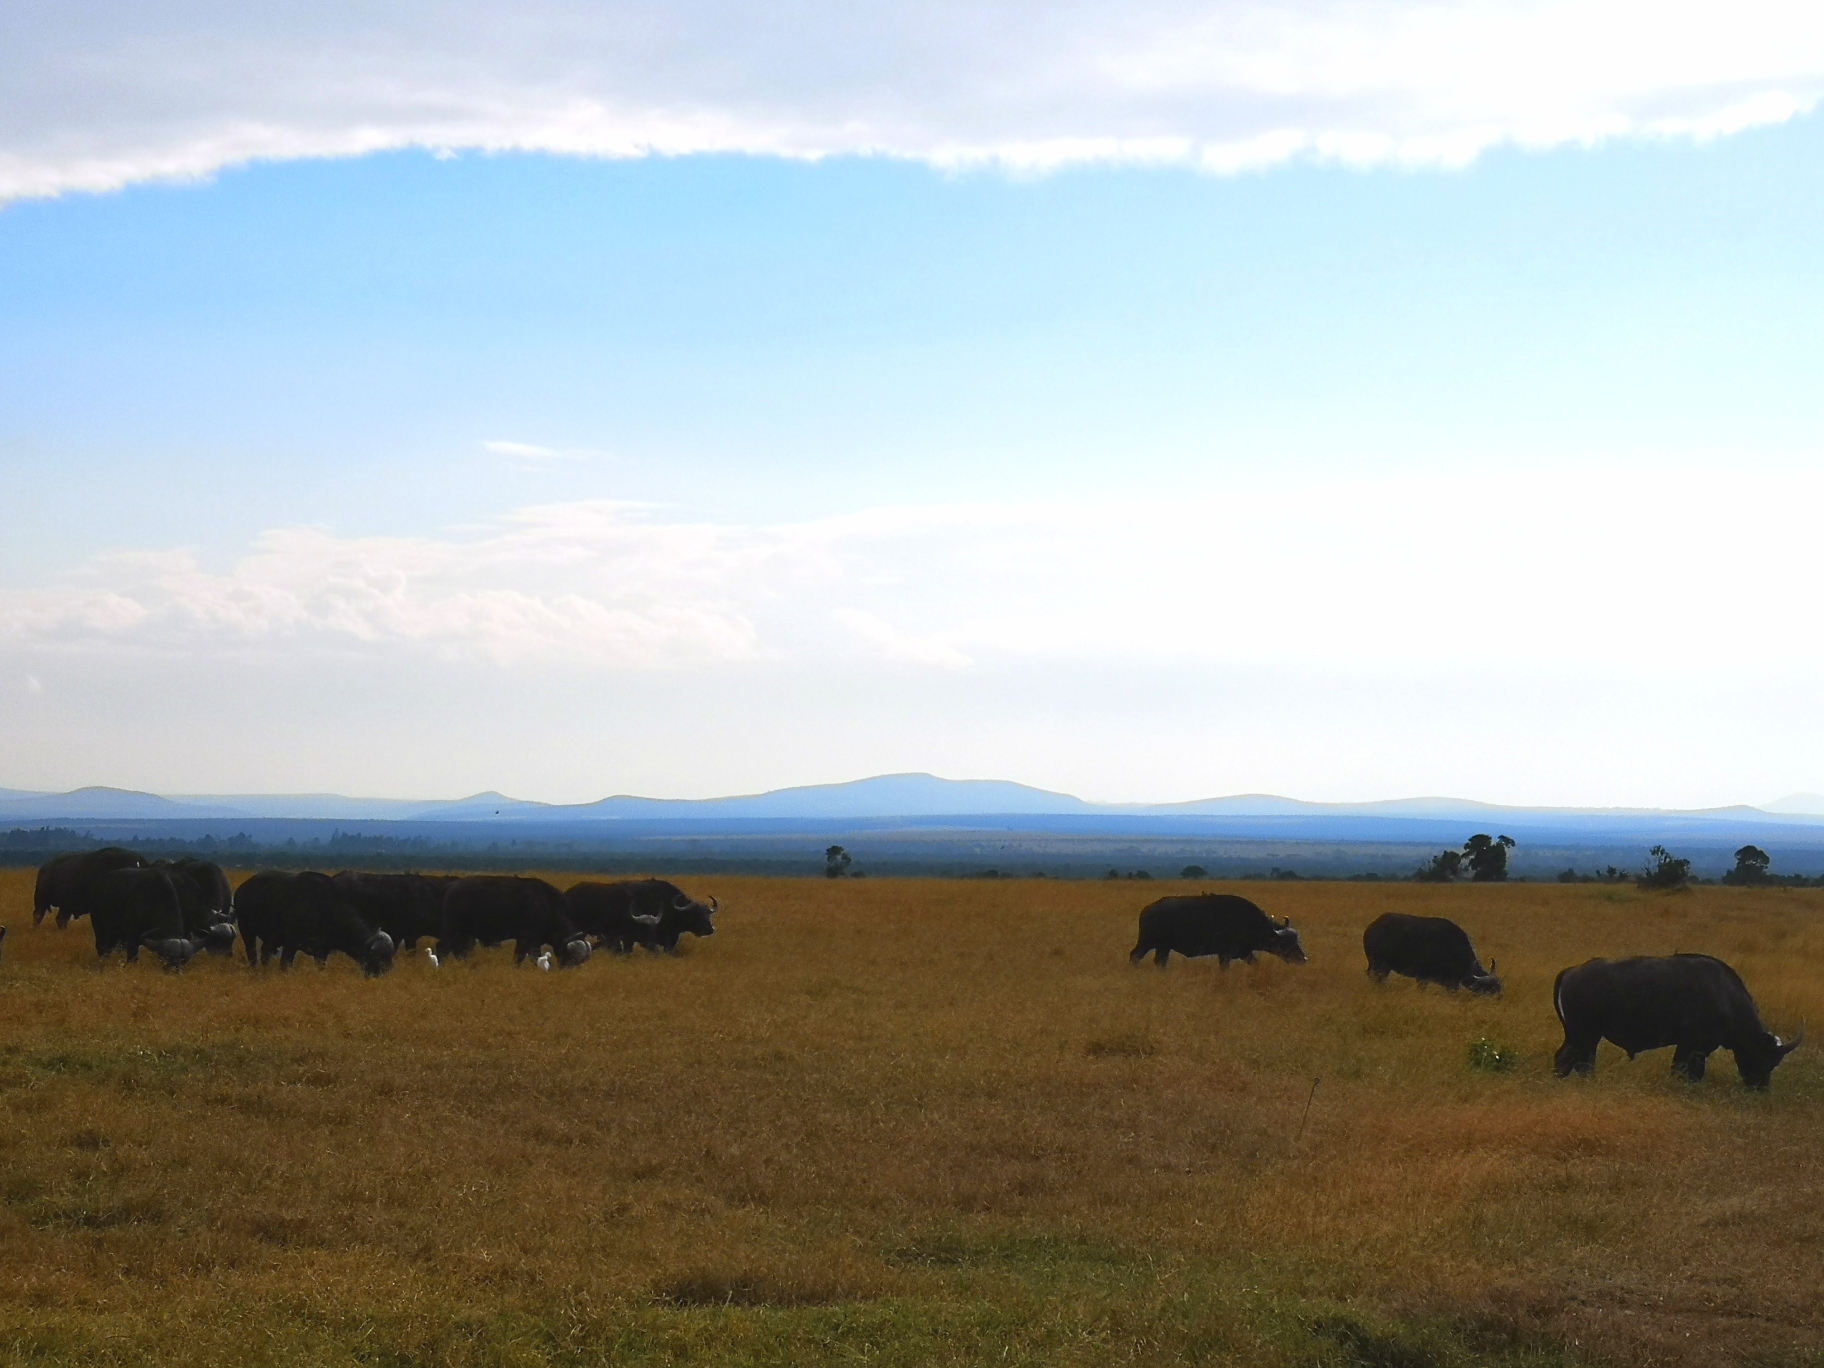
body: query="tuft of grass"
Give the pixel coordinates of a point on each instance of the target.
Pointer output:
(1486, 1055)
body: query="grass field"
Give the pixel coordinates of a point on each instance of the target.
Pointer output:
(909, 1122)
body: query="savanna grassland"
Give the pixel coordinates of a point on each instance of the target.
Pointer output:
(909, 1122)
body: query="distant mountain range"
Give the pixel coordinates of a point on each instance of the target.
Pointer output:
(885, 796)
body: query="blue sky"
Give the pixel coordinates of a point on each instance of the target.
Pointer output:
(1457, 461)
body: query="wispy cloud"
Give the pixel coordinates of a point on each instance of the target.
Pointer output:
(531, 454)
(1584, 566)
(96, 94)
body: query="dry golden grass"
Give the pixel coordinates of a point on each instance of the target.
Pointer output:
(907, 1122)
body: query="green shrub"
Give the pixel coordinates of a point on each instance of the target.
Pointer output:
(1486, 1055)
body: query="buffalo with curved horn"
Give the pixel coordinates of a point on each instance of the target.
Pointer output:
(1694, 1003)
(648, 912)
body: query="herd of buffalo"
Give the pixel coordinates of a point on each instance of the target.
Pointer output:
(174, 908)
(1694, 1003)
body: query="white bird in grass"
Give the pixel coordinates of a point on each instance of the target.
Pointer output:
(430, 953)
(544, 961)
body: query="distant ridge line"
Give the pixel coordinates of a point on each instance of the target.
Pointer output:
(887, 796)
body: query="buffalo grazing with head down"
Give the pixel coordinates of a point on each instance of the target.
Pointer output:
(648, 912)
(489, 909)
(137, 907)
(287, 914)
(207, 902)
(408, 907)
(1429, 949)
(1694, 1003)
(1220, 924)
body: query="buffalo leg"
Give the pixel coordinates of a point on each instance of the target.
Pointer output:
(287, 956)
(1689, 1060)
(1161, 955)
(1577, 1054)
(1378, 975)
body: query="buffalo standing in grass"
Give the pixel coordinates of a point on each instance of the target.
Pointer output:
(1695, 1003)
(490, 909)
(64, 881)
(1219, 924)
(648, 912)
(1429, 949)
(134, 907)
(408, 907)
(290, 914)
(207, 902)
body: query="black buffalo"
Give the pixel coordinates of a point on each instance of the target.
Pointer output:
(1694, 1003)
(648, 912)
(1219, 924)
(408, 907)
(64, 880)
(291, 914)
(489, 909)
(207, 902)
(1429, 949)
(134, 907)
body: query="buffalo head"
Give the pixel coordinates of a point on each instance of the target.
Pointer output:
(1758, 1062)
(1285, 943)
(175, 951)
(377, 955)
(1484, 984)
(573, 953)
(218, 939)
(692, 916)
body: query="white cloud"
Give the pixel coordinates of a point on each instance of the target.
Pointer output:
(892, 644)
(96, 94)
(1578, 566)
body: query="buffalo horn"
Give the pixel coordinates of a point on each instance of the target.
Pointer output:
(714, 906)
(645, 921)
(1491, 968)
(1786, 1047)
(681, 902)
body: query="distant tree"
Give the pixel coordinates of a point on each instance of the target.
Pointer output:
(1667, 873)
(1440, 868)
(836, 862)
(1194, 872)
(1487, 858)
(1112, 874)
(1569, 876)
(1751, 864)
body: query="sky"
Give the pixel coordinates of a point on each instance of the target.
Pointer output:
(1150, 402)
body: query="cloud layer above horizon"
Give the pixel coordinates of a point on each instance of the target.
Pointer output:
(98, 94)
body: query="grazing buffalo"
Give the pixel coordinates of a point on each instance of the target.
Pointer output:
(1429, 949)
(408, 907)
(292, 914)
(136, 906)
(648, 912)
(489, 909)
(1694, 1003)
(1218, 924)
(203, 893)
(64, 880)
